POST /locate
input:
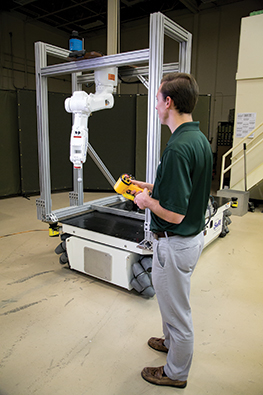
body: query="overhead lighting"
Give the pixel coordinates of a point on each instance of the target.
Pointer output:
(92, 25)
(131, 2)
(23, 2)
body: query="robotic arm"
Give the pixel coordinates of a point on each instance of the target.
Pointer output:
(82, 105)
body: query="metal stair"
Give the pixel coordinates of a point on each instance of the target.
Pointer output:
(250, 177)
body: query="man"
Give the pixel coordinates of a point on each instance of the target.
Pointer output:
(178, 204)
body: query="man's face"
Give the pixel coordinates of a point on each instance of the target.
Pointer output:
(161, 107)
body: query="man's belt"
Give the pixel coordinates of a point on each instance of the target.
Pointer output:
(158, 235)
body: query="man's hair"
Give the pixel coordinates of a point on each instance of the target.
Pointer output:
(182, 88)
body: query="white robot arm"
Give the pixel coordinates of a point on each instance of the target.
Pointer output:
(82, 105)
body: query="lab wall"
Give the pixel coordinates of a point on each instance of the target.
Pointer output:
(9, 145)
(215, 45)
(249, 99)
(17, 58)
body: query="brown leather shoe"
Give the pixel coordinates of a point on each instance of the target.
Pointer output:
(157, 344)
(155, 376)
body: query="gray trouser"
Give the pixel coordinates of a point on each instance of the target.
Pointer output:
(174, 259)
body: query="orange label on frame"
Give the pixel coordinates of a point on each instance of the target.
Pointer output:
(111, 77)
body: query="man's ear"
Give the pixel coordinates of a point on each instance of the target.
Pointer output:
(168, 102)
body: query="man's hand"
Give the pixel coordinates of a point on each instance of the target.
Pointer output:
(142, 199)
(143, 185)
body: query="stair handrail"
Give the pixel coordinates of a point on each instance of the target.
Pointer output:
(223, 170)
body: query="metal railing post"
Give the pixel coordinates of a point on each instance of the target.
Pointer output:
(223, 170)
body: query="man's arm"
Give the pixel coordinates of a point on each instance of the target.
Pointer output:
(143, 201)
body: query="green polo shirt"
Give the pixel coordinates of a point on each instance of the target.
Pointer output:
(183, 180)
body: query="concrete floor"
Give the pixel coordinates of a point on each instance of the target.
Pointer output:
(64, 333)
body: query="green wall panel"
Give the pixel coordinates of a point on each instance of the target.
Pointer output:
(201, 114)
(9, 147)
(112, 133)
(59, 132)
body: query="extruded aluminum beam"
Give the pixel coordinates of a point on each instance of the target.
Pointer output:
(42, 130)
(67, 212)
(76, 196)
(181, 35)
(115, 211)
(153, 125)
(121, 59)
(101, 165)
(56, 51)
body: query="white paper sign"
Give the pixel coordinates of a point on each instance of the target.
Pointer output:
(246, 122)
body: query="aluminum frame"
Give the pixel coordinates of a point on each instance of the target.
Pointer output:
(160, 26)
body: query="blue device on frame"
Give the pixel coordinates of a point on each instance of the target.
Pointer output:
(75, 42)
(76, 45)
